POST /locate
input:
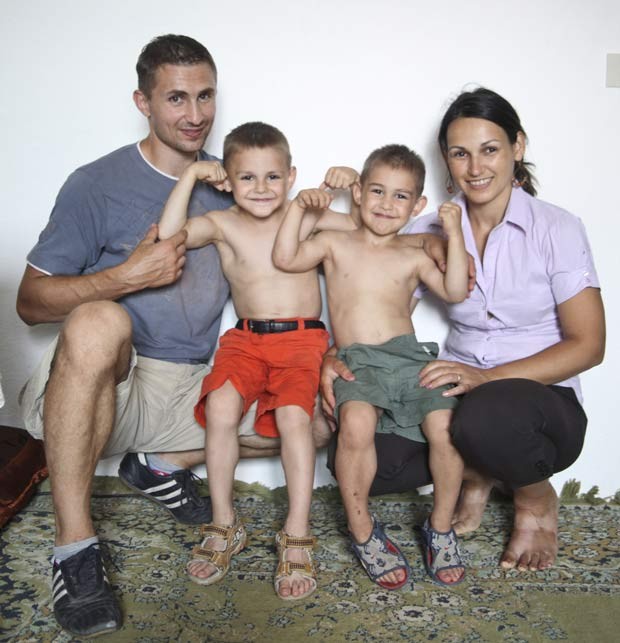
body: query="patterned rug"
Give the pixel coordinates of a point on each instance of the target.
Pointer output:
(578, 600)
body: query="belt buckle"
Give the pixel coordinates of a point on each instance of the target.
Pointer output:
(270, 326)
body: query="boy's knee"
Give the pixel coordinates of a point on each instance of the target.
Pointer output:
(436, 427)
(353, 436)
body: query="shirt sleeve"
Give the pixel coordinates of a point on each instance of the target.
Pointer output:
(74, 236)
(570, 264)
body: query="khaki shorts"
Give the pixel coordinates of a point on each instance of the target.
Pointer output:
(154, 406)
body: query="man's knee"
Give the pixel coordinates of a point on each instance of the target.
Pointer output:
(96, 325)
(96, 334)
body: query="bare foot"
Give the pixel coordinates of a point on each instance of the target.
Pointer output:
(472, 502)
(534, 540)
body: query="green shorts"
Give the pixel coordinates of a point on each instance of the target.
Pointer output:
(387, 376)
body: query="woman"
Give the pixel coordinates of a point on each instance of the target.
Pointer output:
(534, 321)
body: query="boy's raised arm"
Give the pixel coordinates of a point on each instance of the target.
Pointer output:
(289, 253)
(339, 178)
(200, 230)
(452, 286)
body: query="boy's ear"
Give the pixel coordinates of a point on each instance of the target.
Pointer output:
(356, 192)
(292, 175)
(142, 103)
(227, 185)
(420, 204)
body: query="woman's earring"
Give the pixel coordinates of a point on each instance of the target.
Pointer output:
(449, 185)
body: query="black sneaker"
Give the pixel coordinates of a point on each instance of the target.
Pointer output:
(83, 601)
(176, 492)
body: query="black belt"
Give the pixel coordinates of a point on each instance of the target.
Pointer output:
(274, 326)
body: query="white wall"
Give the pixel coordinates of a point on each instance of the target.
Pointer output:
(339, 78)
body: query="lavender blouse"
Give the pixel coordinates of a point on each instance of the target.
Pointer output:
(535, 259)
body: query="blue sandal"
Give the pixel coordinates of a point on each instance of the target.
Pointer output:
(379, 556)
(441, 552)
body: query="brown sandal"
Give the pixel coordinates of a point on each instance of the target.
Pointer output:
(286, 568)
(235, 537)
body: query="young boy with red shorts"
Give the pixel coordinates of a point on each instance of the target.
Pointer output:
(274, 353)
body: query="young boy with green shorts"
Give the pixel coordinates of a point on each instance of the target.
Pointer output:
(371, 274)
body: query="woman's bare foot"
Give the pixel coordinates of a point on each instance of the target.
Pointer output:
(534, 540)
(472, 502)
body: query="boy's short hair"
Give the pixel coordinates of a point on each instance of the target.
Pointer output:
(255, 134)
(396, 157)
(169, 50)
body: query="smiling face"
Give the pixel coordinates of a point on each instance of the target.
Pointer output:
(260, 179)
(180, 109)
(481, 160)
(387, 199)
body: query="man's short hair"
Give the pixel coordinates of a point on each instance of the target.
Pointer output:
(169, 50)
(396, 157)
(255, 135)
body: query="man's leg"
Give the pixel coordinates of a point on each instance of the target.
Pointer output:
(356, 465)
(92, 356)
(298, 459)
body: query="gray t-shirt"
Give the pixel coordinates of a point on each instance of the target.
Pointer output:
(102, 212)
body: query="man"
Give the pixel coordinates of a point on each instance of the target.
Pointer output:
(140, 319)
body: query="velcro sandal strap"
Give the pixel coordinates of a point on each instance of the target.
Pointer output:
(215, 530)
(287, 567)
(288, 542)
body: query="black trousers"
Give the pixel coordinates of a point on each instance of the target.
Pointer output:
(515, 430)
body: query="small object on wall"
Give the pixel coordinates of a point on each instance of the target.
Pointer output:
(613, 70)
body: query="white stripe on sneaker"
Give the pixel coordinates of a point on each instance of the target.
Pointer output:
(161, 487)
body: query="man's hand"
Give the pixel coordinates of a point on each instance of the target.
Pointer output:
(213, 173)
(155, 263)
(331, 369)
(314, 199)
(340, 178)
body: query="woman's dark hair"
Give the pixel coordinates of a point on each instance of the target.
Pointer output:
(486, 104)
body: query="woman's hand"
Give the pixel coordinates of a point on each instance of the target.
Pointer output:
(464, 378)
(331, 369)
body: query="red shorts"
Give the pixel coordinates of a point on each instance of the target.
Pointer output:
(277, 369)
